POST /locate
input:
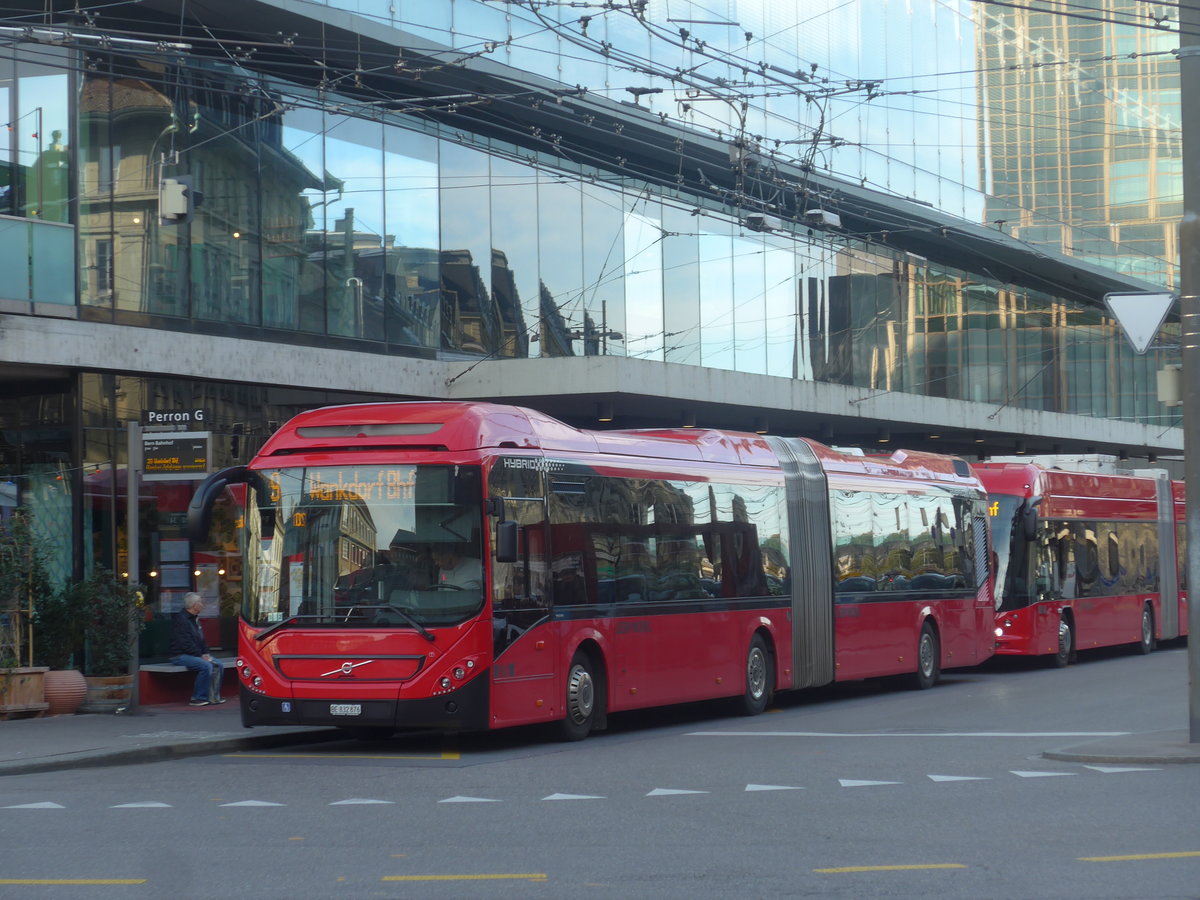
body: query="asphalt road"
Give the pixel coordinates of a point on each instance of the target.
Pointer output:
(865, 790)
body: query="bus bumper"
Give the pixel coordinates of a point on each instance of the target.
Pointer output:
(464, 709)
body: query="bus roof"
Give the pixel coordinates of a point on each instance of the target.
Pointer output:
(467, 425)
(1074, 494)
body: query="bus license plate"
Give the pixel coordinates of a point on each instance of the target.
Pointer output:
(345, 709)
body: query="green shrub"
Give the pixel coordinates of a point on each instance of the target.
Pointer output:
(112, 620)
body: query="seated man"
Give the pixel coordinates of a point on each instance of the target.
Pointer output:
(456, 570)
(188, 649)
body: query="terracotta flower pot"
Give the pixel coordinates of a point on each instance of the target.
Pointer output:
(65, 690)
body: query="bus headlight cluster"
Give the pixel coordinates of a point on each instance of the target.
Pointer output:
(252, 681)
(463, 670)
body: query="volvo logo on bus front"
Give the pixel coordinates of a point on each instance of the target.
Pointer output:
(346, 668)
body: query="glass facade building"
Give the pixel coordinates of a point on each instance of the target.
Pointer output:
(466, 180)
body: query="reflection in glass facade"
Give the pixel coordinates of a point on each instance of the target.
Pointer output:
(393, 236)
(1084, 154)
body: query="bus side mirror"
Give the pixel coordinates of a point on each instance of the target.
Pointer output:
(506, 541)
(199, 513)
(1029, 523)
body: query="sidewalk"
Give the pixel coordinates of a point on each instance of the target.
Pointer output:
(177, 730)
(1151, 748)
(150, 734)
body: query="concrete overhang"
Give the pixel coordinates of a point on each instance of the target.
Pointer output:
(643, 393)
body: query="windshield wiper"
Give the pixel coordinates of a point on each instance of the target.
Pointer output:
(290, 620)
(408, 620)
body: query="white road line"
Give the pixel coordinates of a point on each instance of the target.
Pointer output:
(907, 734)
(1110, 770)
(1040, 774)
(43, 805)
(461, 799)
(772, 787)
(574, 797)
(850, 782)
(144, 804)
(956, 778)
(669, 792)
(253, 803)
(357, 801)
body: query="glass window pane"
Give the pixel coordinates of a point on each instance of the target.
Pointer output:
(53, 244)
(780, 306)
(225, 249)
(14, 257)
(411, 218)
(294, 232)
(643, 281)
(681, 287)
(354, 227)
(560, 258)
(469, 321)
(750, 327)
(603, 272)
(43, 129)
(515, 256)
(716, 300)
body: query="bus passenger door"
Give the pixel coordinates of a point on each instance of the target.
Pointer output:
(524, 688)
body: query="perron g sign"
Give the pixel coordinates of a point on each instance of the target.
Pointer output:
(175, 455)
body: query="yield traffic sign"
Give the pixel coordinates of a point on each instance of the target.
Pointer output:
(1140, 315)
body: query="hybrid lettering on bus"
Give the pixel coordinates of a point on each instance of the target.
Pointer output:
(471, 565)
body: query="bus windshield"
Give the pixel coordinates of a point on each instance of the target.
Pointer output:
(352, 546)
(1012, 551)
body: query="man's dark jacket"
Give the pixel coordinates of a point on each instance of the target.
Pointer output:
(186, 637)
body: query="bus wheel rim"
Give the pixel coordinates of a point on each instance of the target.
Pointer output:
(1147, 628)
(927, 654)
(580, 694)
(1064, 637)
(756, 672)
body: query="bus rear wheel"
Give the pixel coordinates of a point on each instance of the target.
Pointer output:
(760, 677)
(1147, 643)
(929, 666)
(581, 700)
(1066, 643)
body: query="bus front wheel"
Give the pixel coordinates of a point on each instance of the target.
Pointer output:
(1066, 643)
(581, 700)
(760, 677)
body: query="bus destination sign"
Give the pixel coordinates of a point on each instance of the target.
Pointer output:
(173, 456)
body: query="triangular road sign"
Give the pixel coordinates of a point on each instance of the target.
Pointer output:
(1140, 315)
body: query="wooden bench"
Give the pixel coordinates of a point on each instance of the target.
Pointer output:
(159, 682)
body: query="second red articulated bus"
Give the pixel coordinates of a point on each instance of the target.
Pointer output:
(471, 566)
(1084, 560)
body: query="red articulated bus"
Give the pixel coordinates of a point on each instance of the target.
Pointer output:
(463, 565)
(1084, 559)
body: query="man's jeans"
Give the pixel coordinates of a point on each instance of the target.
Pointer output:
(208, 676)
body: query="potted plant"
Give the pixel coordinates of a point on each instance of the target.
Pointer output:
(58, 621)
(112, 612)
(22, 684)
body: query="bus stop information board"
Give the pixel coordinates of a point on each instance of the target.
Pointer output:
(175, 455)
